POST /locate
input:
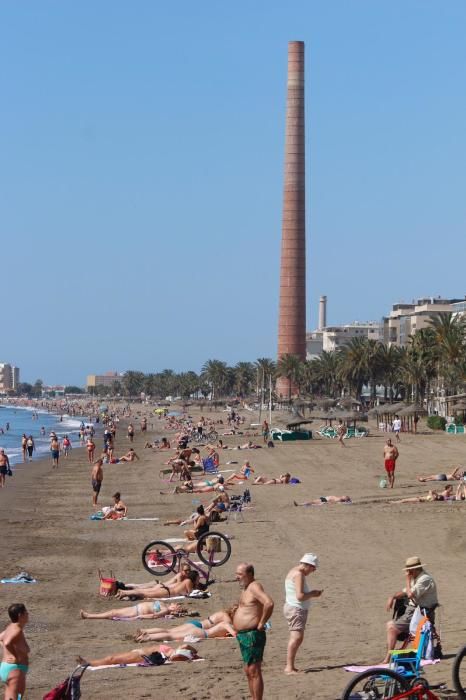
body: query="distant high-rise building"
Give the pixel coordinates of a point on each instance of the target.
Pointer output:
(107, 379)
(9, 377)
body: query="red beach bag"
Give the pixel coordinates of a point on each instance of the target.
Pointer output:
(108, 585)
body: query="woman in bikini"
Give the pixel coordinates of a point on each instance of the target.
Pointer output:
(118, 510)
(244, 473)
(152, 610)
(325, 499)
(445, 495)
(90, 446)
(162, 590)
(220, 624)
(185, 652)
(263, 480)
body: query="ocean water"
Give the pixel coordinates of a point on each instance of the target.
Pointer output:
(21, 421)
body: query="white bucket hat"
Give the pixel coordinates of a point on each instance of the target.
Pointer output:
(311, 559)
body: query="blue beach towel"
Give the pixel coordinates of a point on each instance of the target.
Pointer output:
(22, 577)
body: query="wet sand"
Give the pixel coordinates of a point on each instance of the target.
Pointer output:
(362, 547)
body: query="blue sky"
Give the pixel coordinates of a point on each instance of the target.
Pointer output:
(141, 173)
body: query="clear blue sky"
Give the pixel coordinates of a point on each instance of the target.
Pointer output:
(141, 173)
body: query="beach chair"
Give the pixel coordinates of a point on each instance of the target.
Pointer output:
(209, 466)
(407, 661)
(236, 505)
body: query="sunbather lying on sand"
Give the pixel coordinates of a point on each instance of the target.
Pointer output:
(249, 446)
(182, 575)
(243, 474)
(162, 590)
(457, 474)
(445, 495)
(263, 480)
(204, 486)
(130, 456)
(325, 499)
(220, 624)
(185, 652)
(145, 611)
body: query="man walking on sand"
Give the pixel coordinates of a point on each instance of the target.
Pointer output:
(297, 603)
(97, 476)
(254, 609)
(390, 455)
(396, 427)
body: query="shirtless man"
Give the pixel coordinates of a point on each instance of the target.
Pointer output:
(390, 455)
(15, 661)
(456, 475)
(255, 608)
(97, 476)
(4, 467)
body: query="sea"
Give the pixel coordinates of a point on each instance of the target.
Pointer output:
(23, 420)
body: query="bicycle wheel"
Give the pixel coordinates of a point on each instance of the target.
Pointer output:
(375, 684)
(159, 558)
(213, 435)
(459, 673)
(218, 548)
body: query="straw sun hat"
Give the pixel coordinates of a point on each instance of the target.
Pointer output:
(413, 563)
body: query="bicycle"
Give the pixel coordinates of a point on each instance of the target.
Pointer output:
(459, 673)
(375, 684)
(159, 558)
(209, 436)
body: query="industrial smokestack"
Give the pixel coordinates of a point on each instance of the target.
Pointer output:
(292, 315)
(322, 312)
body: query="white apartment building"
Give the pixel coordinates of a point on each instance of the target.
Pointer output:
(9, 377)
(333, 338)
(405, 319)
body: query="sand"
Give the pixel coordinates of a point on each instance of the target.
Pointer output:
(362, 547)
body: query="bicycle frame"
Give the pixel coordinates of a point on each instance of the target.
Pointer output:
(181, 555)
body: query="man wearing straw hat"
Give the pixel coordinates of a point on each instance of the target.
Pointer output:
(421, 591)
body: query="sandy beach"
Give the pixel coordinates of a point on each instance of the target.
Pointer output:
(362, 547)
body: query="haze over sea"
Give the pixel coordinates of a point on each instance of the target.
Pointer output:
(22, 420)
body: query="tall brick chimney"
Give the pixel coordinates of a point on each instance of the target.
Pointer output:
(292, 314)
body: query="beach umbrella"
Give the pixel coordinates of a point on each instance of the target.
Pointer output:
(159, 410)
(411, 409)
(459, 406)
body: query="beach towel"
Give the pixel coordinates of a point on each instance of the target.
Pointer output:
(138, 665)
(22, 577)
(361, 669)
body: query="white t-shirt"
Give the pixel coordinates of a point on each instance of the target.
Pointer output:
(396, 425)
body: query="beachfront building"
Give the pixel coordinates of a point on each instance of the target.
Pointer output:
(332, 338)
(107, 379)
(9, 377)
(335, 337)
(405, 319)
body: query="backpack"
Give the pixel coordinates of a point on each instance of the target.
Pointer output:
(69, 689)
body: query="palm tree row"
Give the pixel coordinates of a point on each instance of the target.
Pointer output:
(434, 357)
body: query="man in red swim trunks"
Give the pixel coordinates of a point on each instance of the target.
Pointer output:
(390, 455)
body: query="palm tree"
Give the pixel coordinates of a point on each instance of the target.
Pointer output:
(449, 332)
(354, 365)
(133, 382)
(390, 367)
(326, 369)
(215, 373)
(290, 367)
(244, 376)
